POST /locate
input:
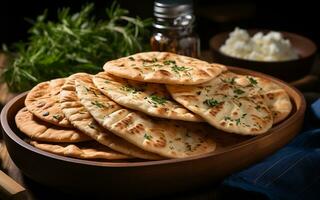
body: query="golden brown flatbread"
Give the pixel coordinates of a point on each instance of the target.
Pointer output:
(226, 105)
(168, 138)
(163, 67)
(276, 98)
(43, 102)
(150, 98)
(81, 119)
(46, 132)
(83, 150)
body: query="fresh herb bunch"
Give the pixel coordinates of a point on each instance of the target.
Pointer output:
(74, 43)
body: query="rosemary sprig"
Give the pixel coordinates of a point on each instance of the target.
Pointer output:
(73, 43)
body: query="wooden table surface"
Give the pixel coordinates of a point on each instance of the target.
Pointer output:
(37, 191)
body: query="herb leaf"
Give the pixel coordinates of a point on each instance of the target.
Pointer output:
(129, 88)
(178, 69)
(238, 91)
(148, 137)
(168, 62)
(252, 80)
(231, 80)
(56, 117)
(158, 100)
(98, 104)
(211, 102)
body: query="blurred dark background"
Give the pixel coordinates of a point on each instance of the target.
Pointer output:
(212, 16)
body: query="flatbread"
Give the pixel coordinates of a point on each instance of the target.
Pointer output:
(81, 119)
(169, 138)
(163, 67)
(46, 132)
(226, 105)
(83, 150)
(276, 98)
(150, 98)
(43, 102)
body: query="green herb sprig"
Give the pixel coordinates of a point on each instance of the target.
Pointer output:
(73, 43)
(211, 102)
(157, 99)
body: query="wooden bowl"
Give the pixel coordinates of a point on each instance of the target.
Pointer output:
(149, 178)
(285, 70)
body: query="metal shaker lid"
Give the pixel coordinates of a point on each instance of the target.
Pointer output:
(172, 8)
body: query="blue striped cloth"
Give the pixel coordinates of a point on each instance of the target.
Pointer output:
(293, 172)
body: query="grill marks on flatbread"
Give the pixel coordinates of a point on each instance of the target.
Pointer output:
(171, 139)
(163, 67)
(84, 150)
(43, 102)
(39, 130)
(276, 98)
(81, 119)
(152, 99)
(226, 105)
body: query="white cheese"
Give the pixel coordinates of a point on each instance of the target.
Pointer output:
(260, 47)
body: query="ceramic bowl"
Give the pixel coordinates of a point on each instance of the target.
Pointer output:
(290, 70)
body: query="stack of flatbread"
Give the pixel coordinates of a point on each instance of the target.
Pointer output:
(152, 106)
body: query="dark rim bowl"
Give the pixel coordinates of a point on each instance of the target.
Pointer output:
(103, 179)
(286, 70)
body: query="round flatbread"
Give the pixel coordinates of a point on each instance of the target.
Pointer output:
(150, 98)
(83, 150)
(163, 67)
(226, 105)
(276, 98)
(43, 102)
(81, 119)
(46, 132)
(172, 139)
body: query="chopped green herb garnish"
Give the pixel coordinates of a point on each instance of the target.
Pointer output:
(158, 100)
(237, 121)
(252, 80)
(131, 58)
(178, 69)
(211, 102)
(98, 104)
(106, 81)
(238, 91)
(129, 88)
(56, 117)
(226, 118)
(243, 115)
(153, 65)
(258, 107)
(231, 80)
(145, 62)
(168, 62)
(148, 137)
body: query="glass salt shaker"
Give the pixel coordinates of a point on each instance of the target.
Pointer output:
(173, 28)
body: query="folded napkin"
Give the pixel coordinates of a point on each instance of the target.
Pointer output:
(293, 172)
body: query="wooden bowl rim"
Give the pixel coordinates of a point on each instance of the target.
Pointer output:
(215, 45)
(298, 113)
